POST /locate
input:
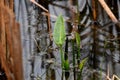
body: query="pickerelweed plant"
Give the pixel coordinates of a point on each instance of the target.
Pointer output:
(82, 62)
(59, 37)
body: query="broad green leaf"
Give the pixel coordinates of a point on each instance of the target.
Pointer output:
(77, 39)
(59, 31)
(81, 65)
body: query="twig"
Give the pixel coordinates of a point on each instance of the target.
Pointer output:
(108, 78)
(39, 5)
(55, 17)
(114, 76)
(50, 15)
(49, 28)
(36, 44)
(94, 10)
(109, 12)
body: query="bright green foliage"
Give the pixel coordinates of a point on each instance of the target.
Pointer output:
(59, 39)
(66, 65)
(81, 65)
(77, 39)
(59, 31)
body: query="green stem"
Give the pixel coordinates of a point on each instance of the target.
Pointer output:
(78, 63)
(78, 55)
(73, 53)
(78, 14)
(62, 57)
(74, 71)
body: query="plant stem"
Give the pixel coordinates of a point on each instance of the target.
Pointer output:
(74, 71)
(78, 14)
(62, 57)
(78, 62)
(78, 55)
(62, 75)
(62, 61)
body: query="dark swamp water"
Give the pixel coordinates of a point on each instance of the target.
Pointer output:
(99, 40)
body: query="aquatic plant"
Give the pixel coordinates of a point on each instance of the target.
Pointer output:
(59, 37)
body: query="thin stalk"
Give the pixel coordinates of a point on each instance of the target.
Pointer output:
(78, 46)
(78, 14)
(78, 55)
(78, 17)
(74, 71)
(39, 5)
(62, 57)
(78, 62)
(94, 50)
(108, 11)
(62, 61)
(62, 75)
(79, 76)
(66, 59)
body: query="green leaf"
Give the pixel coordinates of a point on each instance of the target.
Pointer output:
(77, 39)
(82, 63)
(66, 65)
(59, 31)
